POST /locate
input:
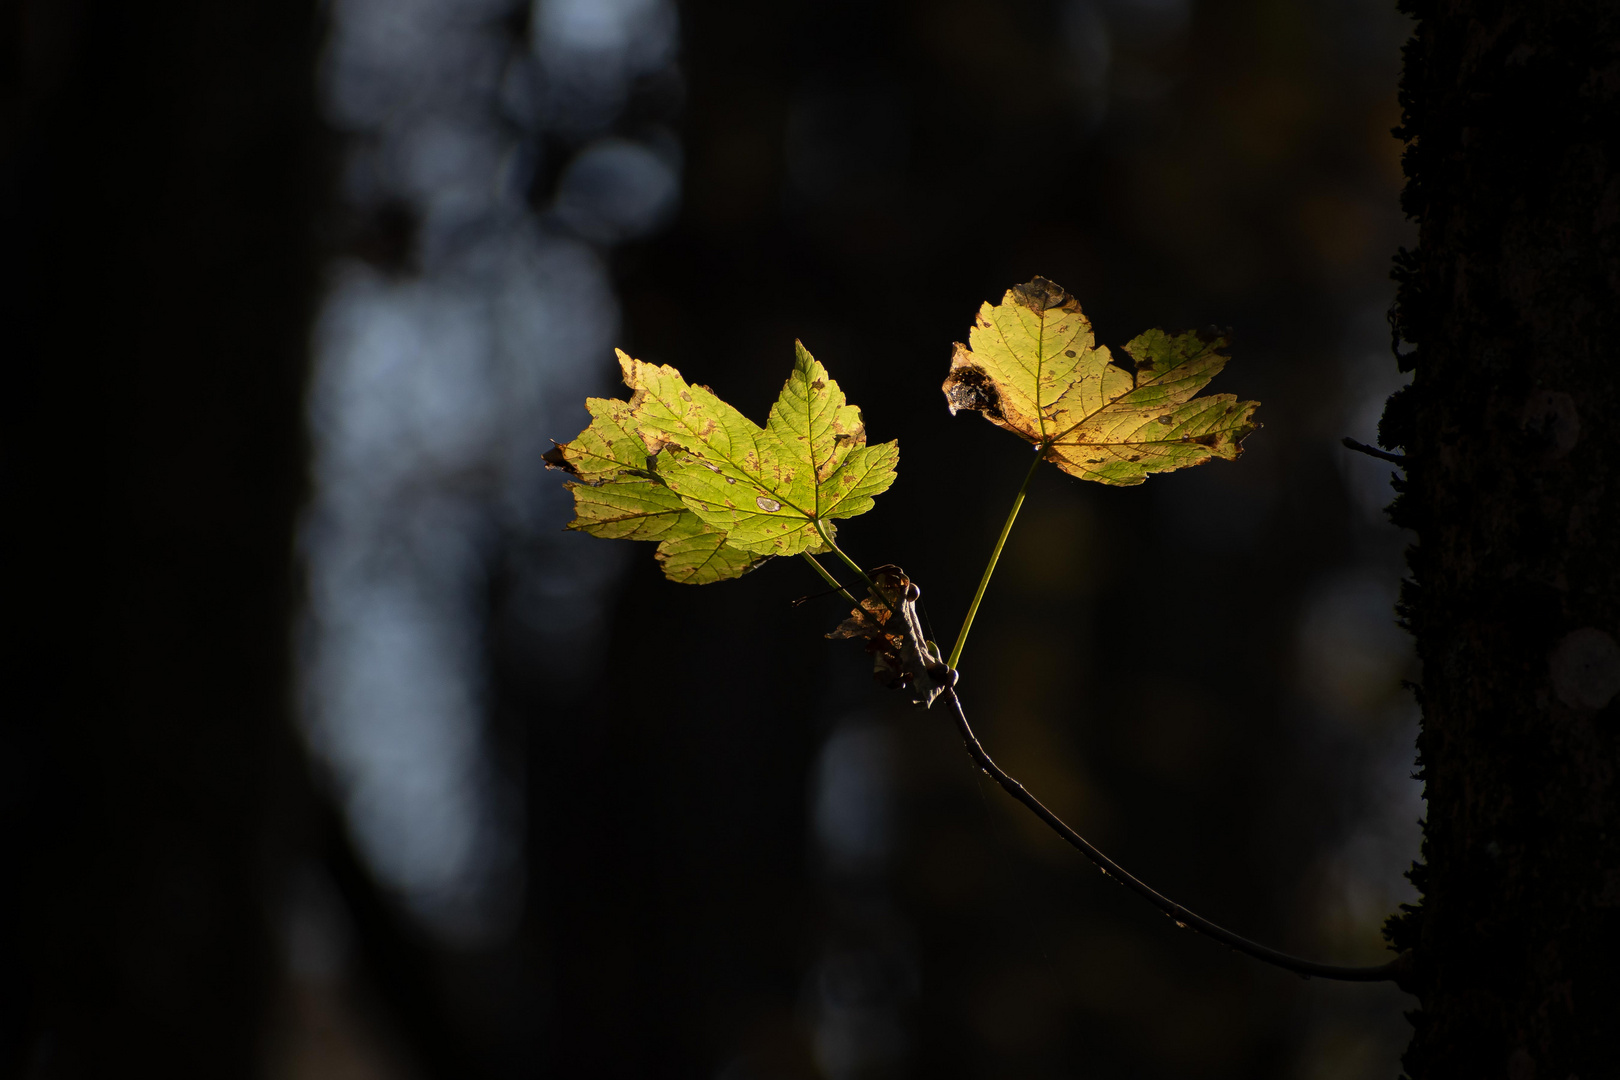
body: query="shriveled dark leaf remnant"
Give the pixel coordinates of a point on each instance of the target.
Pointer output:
(902, 656)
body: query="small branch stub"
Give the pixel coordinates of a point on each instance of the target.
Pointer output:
(1373, 451)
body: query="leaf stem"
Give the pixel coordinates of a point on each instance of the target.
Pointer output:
(827, 539)
(1398, 970)
(828, 578)
(995, 556)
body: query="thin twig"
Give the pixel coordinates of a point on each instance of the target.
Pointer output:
(827, 539)
(821, 596)
(1373, 451)
(1395, 971)
(828, 578)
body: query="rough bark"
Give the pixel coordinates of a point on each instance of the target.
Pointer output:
(1511, 306)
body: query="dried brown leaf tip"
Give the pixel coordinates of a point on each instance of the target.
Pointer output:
(902, 656)
(557, 458)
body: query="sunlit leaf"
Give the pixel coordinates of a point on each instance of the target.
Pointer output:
(1035, 369)
(765, 487)
(704, 557)
(609, 448)
(619, 495)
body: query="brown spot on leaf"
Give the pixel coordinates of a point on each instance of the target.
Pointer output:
(770, 506)
(1068, 352)
(969, 387)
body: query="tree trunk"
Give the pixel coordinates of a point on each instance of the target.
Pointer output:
(1512, 301)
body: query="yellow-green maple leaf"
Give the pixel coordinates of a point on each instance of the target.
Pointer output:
(766, 488)
(1035, 369)
(619, 495)
(704, 557)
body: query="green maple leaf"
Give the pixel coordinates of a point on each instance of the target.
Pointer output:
(1035, 369)
(619, 495)
(705, 557)
(766, 488)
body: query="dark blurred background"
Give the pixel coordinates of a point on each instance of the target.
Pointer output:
(331, 756)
